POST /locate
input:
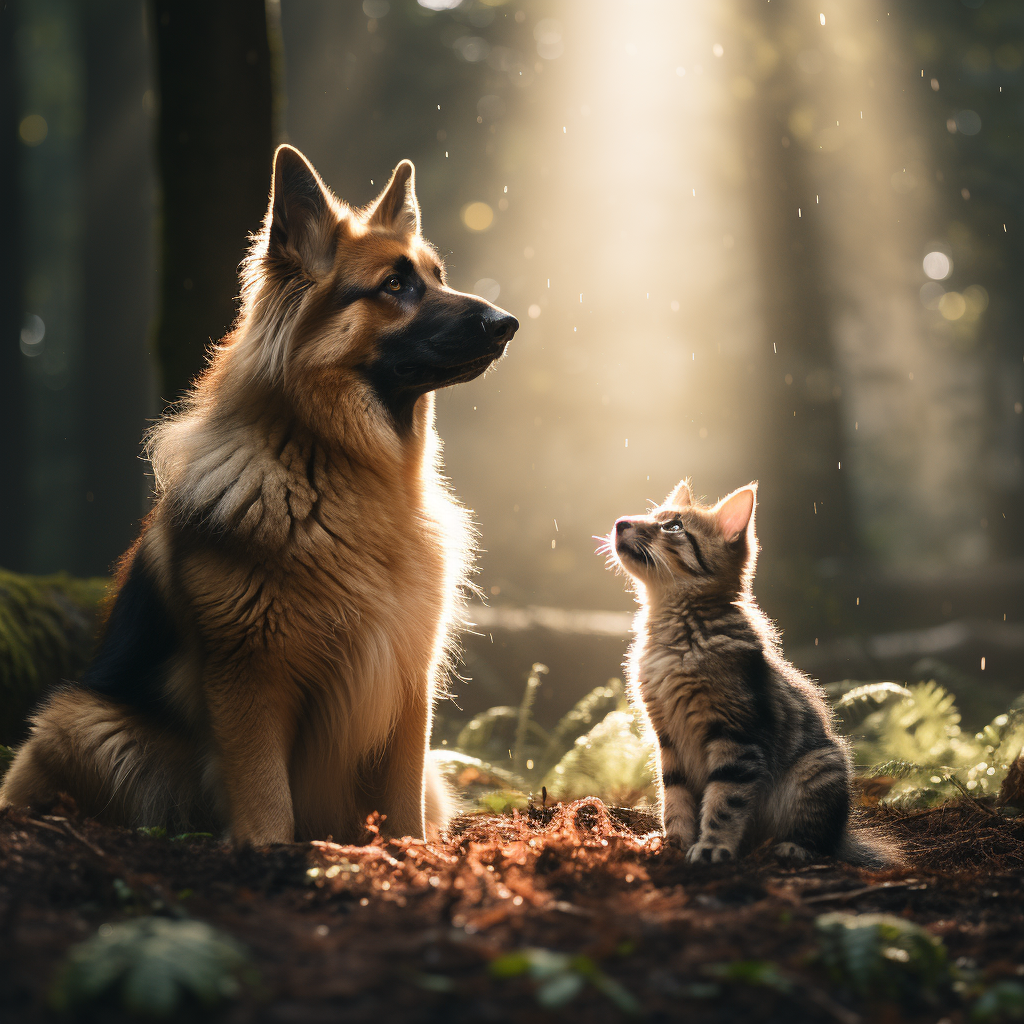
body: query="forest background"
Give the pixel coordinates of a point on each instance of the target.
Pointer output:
(745, 240)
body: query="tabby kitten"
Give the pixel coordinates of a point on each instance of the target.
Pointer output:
(747, 749)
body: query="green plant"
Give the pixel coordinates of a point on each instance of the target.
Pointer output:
(596, 749)
(914, 736)
(561, 977)
(1003, 1001)
(600, 748)
(151, 966)
(881, 956)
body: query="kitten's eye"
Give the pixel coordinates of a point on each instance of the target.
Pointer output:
(393, 283)
(673, 527)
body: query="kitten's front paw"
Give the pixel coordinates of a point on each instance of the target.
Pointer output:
(708, 853)
(790, 851)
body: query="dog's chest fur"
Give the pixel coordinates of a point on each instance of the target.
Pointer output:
(355, 571)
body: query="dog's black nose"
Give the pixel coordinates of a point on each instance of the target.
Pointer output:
(501, 327)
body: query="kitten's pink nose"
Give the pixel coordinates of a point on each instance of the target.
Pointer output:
(622, 525)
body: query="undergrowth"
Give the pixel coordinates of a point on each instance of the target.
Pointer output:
(910, 736)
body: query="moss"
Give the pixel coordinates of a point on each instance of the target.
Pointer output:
(47, 633)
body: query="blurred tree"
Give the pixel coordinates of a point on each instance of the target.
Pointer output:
(114, 384)
(971, 55)
(13, 412)
(215, 146)
(802, 442)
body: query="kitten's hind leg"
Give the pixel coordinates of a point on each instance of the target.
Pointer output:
(810, 807)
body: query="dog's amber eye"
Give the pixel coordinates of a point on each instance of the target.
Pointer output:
(393, 283)
(673, 527)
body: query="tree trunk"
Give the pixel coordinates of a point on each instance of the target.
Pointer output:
(802, 433)
(13, 411)
(114, 385)
(215, 147)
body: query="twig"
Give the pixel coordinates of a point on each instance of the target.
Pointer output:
(963, 789)
(43, 824)
(849, 894)
(89, 845)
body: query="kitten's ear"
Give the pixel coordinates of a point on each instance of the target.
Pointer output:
(396, 209)
(680, 497)
(303, 221)
(733, 513)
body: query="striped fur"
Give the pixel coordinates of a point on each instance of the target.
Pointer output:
(747, 750)
(269, 665)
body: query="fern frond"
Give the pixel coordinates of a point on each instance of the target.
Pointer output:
(855, 705)
(451, 762)
(581, 718)
(611, 761)
(524, 720)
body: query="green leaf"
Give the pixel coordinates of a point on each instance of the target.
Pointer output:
(761, 973)
(559, 990)
(502, 801)
(451, 762)
(581, 718)
(151, 964)
(882, 955)
(611, 761)
(1003, 1001)
(856, 704)
(511, 965)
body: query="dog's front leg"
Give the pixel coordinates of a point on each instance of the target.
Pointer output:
(402, 783)
(253, 727)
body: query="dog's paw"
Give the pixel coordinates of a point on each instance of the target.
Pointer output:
(790, 851)
(708, 853)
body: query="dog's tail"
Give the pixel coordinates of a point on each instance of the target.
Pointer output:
(868, 848)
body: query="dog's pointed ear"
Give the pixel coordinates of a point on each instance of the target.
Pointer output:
(396, 208)
(735, 512)
(302, 216)
(681, 496)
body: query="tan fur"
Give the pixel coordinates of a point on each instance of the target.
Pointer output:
(312, 560)
(746, 745)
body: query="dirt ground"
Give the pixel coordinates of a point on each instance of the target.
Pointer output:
(406, 931)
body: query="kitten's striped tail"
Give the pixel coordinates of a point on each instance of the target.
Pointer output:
(867, 849)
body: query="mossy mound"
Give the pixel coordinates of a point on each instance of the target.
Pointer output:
(47, 633)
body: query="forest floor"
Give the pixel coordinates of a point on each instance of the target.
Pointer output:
(563, 913)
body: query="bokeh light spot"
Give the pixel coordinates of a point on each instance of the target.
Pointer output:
(548, 33)
(487, 288)
(937, 265)
(33, 129)
(32, 335)
(977, 300)
(477, 216)
(952, 305)
(534, 311)
(931, 293)
(968, 122)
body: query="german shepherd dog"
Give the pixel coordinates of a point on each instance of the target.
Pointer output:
(269, 664)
